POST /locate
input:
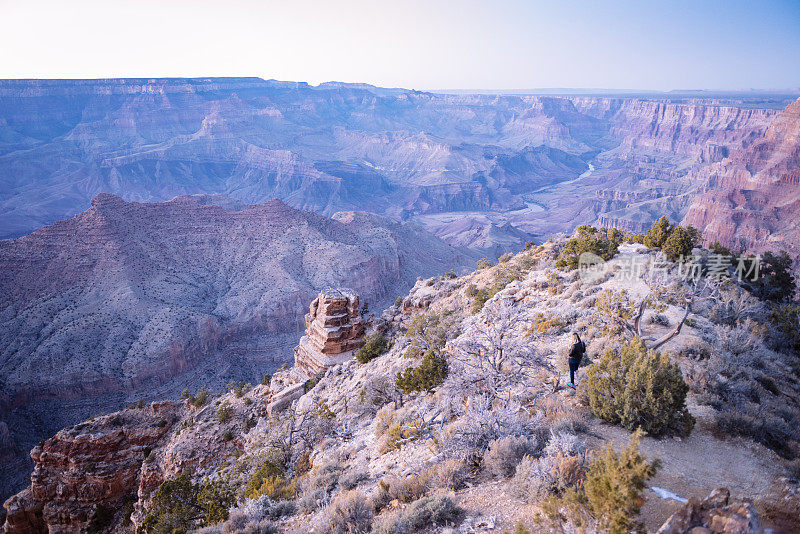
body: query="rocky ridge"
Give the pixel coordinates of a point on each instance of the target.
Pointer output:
(752, 198)
(353, 449)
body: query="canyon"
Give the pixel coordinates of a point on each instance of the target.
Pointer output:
(488, 171)
(135, 300)
(164, 234)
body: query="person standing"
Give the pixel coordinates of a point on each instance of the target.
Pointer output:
(576, 352)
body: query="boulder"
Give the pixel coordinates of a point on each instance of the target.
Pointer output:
(715, 514)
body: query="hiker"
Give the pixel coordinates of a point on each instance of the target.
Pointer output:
(576, 352)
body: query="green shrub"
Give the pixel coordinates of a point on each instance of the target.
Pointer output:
(269, 480)
(587, 239)
(614, 485)
(611, 494)
(374, 345)
(197, 399)
(481, 296)
(786, 321)
(430, 330)
(430, 373)
(546, 324)
(657, 235)
(179, 505)
(678, 244)
(637, 388)
(224, 413)
(483, 263)
(775, 279)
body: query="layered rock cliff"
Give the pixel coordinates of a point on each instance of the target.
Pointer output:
(752, 197)
(334, 330)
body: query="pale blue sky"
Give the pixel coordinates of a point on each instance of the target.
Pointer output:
(501, 44)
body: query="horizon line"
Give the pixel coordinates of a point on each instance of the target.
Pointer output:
(477, 90)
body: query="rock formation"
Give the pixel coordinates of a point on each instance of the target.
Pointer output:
(86, 470)
(334, 330)
(714, 515)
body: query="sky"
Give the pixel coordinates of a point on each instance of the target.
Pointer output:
(426, 45)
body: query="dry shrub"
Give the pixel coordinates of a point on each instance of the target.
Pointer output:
(312, 500)
(426, 512)
(452, 474)
(560, 468)
(535, 479)
(353, 478)
(564, 443)
(325, 478)
(403, 490)
(505, 453)
(349, 513)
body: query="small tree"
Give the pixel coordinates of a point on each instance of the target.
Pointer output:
(614, 485)
(776, 281)
(374, 345)
(224, 413)
(678, 244)
(430, 373)
(658, 233)
(786, 321)
(497, 354)
(179, 505)
(589, 239)
(609, 499)
(637, 388)
(270, 480)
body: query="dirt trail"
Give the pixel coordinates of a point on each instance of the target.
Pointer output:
(694, 466)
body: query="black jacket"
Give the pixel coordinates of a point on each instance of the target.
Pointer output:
(576, 351)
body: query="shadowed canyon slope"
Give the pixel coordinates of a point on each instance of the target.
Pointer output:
(465, 166)
(127, 299)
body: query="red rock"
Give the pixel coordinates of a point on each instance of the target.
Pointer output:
(334, 330)
(82, 467)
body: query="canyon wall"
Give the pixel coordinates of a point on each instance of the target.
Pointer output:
(752, 197)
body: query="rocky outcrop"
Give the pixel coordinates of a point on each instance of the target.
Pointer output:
(86, 470)
(334, 330)
(715, 514)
